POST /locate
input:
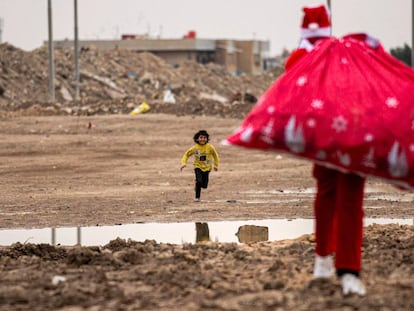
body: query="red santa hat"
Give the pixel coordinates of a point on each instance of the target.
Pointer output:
(316, 22)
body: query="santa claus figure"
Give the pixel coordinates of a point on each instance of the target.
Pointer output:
(346, 105)
(338, 205)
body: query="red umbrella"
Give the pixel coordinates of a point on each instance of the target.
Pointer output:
(346, 104)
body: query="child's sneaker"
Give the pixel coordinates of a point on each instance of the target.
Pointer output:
(324, 267)
(351, 284)
(197, 200)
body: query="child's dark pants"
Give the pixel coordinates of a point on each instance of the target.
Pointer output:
(201, 181)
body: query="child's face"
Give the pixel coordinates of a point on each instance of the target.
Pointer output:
(202, 139)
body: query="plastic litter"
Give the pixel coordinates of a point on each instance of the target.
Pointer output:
(142, 108)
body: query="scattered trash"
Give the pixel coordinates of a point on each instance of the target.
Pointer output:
(132, 75)
(58, 279)
(142, 108)
(214, 96)
(169, 97)
(65, 93)
(104, 80)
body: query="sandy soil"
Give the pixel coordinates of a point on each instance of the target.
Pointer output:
(106, 170)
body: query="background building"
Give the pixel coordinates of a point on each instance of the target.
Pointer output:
(236, 56)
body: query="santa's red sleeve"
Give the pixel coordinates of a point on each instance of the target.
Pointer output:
(294, 57)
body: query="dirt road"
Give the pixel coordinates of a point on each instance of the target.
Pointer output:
(120, 169)
(70, 171)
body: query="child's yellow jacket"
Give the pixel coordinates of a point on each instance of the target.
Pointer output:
(203, 156)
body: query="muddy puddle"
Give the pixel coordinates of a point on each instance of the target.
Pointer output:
(175, 233)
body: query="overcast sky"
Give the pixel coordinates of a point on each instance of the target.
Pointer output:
(25, 23)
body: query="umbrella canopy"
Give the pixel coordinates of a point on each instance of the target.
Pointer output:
(346, 104)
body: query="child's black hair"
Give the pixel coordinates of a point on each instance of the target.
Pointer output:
(199, 133)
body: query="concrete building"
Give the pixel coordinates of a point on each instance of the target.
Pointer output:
(235, 55)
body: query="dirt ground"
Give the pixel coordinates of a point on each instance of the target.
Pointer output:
(120, 169)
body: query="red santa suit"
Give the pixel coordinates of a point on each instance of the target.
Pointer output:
(338, 205)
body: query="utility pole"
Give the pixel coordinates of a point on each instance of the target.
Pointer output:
(76, 41)
(1, 29)
(412, 34)
(330, 13)
(51, 60)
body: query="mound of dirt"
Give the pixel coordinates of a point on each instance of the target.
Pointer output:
(117, 81)
(129, 275)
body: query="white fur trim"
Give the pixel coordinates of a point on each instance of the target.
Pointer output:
(319, 32)
(372, 41)
(305, 44)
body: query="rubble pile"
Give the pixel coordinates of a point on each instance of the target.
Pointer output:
(117, 81)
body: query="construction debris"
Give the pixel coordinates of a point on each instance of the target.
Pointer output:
(116, 81)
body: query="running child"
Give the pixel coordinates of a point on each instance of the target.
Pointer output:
(205, 158)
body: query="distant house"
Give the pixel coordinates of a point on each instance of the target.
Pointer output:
(237, 56)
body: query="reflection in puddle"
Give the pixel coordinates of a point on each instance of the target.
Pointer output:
(252, 233)
(202, 232)
(175, 233)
